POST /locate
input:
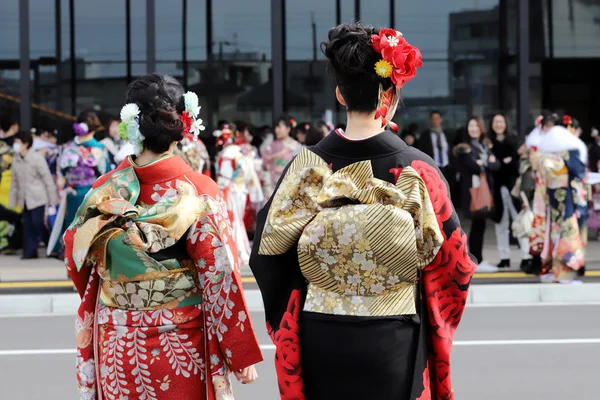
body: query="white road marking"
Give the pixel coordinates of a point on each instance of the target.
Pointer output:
(460, 343)
(260, 309)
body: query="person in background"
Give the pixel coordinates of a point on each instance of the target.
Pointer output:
(581, 191)
(301, 131)
(555, 240)
(505, 148)
(43, 145)
(594, 166)
(10, 220)
(278, 154)
(434, 143)
(595, 151)
(9, 126)
(265, 136)
(323, 127)
(245, 139)
(314, 134)
(112, 140)
(474, 155)
(33, 190)
(410, 134)
(82, 161)
(237, 177)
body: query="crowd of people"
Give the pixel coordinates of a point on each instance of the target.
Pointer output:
(38, 175)
(517, 174)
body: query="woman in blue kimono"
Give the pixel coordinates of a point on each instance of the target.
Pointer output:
(82, 161)
(558, 158)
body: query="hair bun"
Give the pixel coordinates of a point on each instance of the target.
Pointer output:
(160, 99)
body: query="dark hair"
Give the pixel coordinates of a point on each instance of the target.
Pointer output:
(549, 117)
(90, 118)
(479, 120)
(265, 129)
(241, 126)
(6, 121)
(321, 125)
(26, 137)
(287, 121)
(314, 134)
(574, 123)
(433, 112)
(341, 126)
(509, 136)
(160, 98)
(352, 61)
(413, 128)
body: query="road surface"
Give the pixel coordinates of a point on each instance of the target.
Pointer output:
(517, 353)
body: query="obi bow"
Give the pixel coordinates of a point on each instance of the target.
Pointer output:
(310, 188)
(150, 228)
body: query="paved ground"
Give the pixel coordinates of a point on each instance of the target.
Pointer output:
(517, 353)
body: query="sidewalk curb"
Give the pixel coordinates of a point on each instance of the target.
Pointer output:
(479, 295)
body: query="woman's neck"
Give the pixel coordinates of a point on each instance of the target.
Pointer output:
(361, 126)
(147, 156)
(500, 136)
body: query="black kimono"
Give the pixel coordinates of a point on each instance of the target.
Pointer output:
(364, 272)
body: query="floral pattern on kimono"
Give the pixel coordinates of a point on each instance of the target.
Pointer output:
(195, 154)
(156, 318)
(277, 155)
(443, 282)
(555, 234)
(238, 179)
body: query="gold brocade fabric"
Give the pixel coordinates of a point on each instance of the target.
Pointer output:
(118, 238)
(361, 240)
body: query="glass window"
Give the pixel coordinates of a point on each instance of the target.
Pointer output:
(9, 52)
(375, 13)
(459, 43)
(576, 28)
(242, 61)
(310, 91)
(100, 54)
(169, 37)
(347, 10)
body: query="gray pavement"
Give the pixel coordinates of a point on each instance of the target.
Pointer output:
(494, 357)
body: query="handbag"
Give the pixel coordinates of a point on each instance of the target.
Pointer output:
(523, 223)
(482, 202)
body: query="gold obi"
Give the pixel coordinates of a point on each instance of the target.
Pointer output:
(132, 280)
(361, 240)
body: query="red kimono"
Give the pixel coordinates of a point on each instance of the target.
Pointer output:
(162, 308)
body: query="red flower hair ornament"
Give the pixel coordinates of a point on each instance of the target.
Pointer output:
(567, 120)
(399, 62)
(224, 136)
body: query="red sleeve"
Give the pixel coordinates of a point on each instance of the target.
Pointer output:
(445, 281)
(230, 334)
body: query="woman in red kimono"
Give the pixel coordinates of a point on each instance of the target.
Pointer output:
(150, 251)
(359, 255)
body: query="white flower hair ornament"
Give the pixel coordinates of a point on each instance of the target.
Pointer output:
(190, 117)
(129, 128)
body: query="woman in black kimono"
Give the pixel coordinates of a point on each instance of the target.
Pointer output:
(359, 255)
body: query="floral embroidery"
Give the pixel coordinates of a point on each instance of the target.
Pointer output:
(287, 353)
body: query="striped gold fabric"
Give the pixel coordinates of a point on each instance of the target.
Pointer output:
(360, 240)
